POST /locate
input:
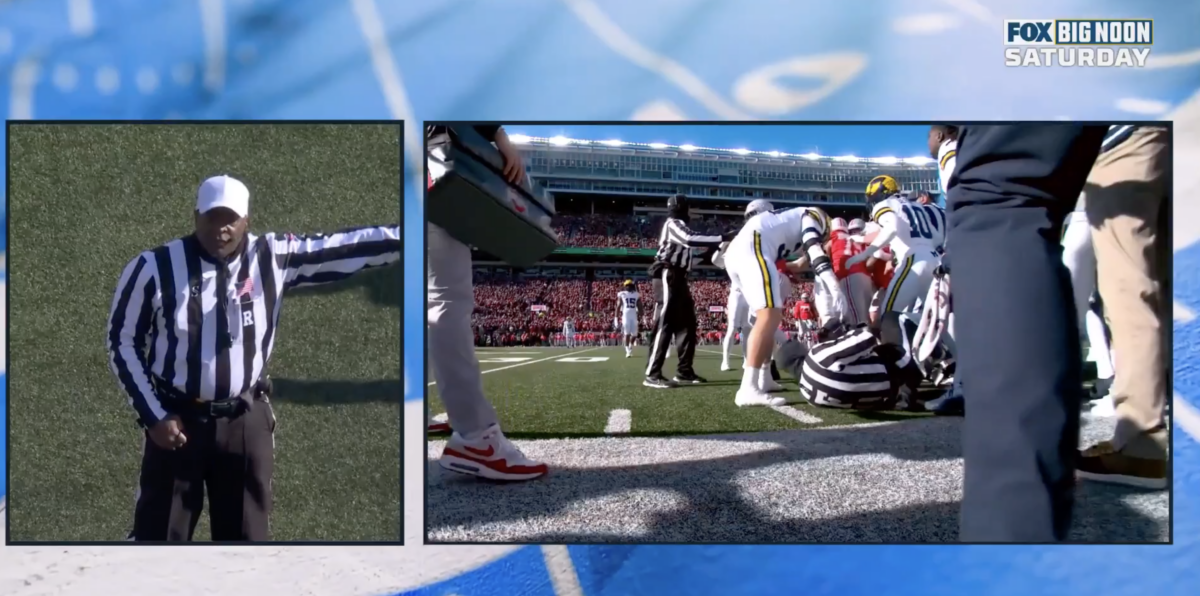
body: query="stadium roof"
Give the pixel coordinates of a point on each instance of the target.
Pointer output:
(613, 143)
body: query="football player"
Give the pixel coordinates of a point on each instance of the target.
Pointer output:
(767, 238)
(914, 232)
(855, 280)
(943, 146)
(737, 310)
(627, 312)
(569, 332)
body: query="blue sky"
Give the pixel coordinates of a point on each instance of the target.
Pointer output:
(861, 141)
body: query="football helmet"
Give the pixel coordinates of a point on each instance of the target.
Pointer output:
(881, 187)
(758, 206)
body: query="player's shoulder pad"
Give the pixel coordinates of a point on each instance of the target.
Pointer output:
(882, 208)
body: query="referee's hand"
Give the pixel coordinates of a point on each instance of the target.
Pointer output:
(168, 433)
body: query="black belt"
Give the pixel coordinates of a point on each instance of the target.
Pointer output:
(176, 402)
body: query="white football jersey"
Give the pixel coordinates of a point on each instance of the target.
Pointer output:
(628, 300)
(946, 158)
(784, 234)
(916, 225)
(568, 326)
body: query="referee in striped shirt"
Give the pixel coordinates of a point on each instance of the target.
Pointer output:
(190, 333)
(675, 312)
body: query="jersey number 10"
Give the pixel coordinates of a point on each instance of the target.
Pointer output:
(921, 220)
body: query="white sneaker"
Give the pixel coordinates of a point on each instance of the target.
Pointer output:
(490, 456)
(725, 367)
(755, 397)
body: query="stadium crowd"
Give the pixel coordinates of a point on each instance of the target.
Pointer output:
(508, 308)
(627, 231)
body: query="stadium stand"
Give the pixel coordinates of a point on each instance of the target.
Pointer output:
(610, 200)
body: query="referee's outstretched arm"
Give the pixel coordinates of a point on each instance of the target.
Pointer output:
(679, 233)
(133, 310)
(326, 258)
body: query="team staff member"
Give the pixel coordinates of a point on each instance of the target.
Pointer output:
(477, 446)
(1019, 354)
(189, 337)
(675, 313)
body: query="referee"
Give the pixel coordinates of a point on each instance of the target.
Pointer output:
(675, 313)
(189, 337)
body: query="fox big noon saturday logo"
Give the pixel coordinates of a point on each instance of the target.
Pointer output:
(1110, 43)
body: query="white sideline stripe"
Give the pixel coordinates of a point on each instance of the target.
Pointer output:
(797, 415)
(492, 370)
(503, 353)
(81, 17)
(212, 25)
(1186, 414)
(1182, 313)
(391, 82)
(563, 576)
(619, 422)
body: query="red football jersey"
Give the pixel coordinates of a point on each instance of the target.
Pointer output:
(803, 311)
(841, 249)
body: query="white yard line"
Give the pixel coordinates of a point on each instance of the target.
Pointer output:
(563, 576)
(22, 81)
(797, 415)
(212, 24)
(387, 72)
(1182, 313)
(492, 370)
(81, 17)
(1187, 416)
(619, 422)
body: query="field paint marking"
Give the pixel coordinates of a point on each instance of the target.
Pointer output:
(484, 351)
(797, 415)
(1182, 313)
(671, 71)
(387, 72)
(499, 360)
(619, 422)
(21, 84)
(81, 17)
(563, 576)
(492, 370)
(585, 359)
(212, 23)
(1188, 417)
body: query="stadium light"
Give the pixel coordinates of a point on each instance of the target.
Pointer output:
(658, 145)
(774, 153)
(560, 141)
(688, 147)
(612, 143)
(520, 139)
(811, 156)
(886, 160)
(846, 158)
(918, 161)
(742, 151)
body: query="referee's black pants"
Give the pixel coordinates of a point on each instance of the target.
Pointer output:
(233, 457)
(1015, 325)
(675, 319)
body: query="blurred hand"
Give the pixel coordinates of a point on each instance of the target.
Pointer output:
(514, 167)
(168, 433)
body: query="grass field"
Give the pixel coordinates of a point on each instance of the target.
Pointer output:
(538, 396)
(633, 464)
(84, 201)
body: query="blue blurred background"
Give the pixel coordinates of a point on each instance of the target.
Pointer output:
(631, 59)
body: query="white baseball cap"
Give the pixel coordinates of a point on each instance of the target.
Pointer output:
(223, 191)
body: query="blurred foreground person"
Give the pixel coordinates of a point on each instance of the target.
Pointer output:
(1015, 325)
(1126, 198)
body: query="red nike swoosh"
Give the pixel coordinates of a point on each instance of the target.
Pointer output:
(519, 207)
(481, 452)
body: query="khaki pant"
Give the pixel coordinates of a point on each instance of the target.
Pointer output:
(1127, 196)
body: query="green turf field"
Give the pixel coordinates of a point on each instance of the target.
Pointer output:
(539, 396)
(84, 200)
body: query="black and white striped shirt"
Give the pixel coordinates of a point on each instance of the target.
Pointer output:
(846, 372)
(1117, 134)
(676, 241)
(180, 319)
